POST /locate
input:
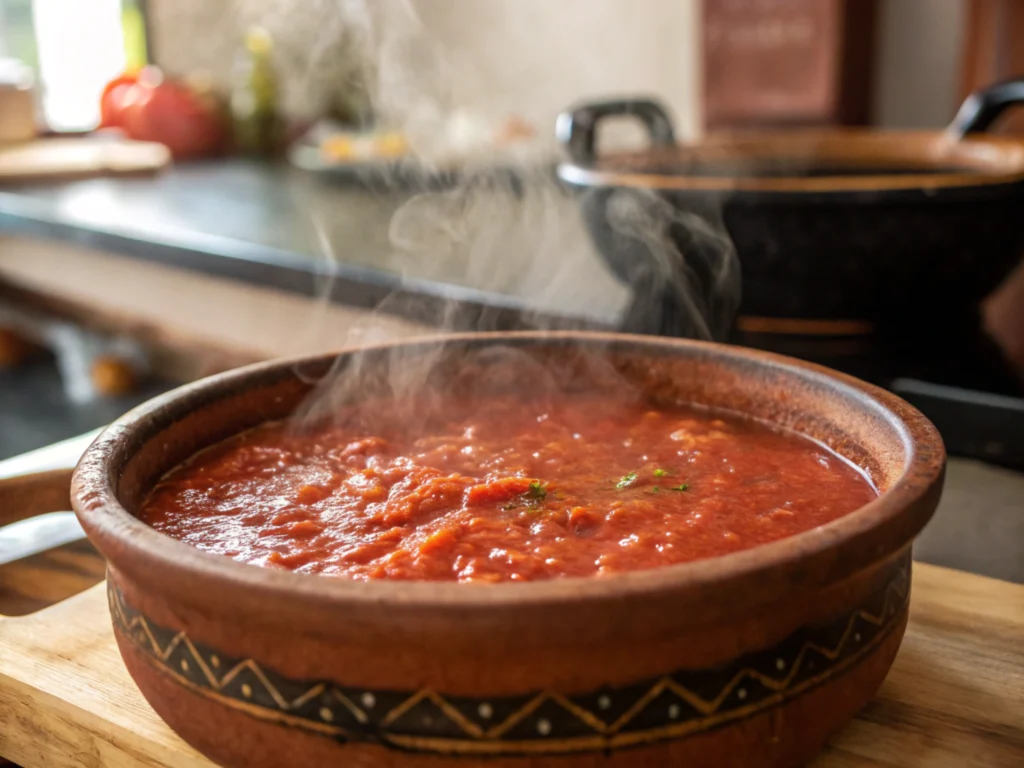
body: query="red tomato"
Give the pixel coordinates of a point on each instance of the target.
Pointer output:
(116, 93)
(173, 114)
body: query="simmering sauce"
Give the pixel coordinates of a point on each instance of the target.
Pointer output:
(504, 488)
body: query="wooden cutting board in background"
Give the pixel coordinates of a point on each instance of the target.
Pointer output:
(63, 159)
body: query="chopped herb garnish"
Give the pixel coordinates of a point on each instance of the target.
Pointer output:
(655, 489)
(530, 498)
(683, 487)
(660, 473)
(627, 480)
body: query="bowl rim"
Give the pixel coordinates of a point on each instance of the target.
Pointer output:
(117, 533)
(998, 161)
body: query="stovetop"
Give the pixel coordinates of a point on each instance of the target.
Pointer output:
(950, 369)
(958, 377)
(974, 424)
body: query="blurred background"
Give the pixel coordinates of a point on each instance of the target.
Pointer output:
(190, 185)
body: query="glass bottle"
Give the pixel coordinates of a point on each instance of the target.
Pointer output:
(255, 118)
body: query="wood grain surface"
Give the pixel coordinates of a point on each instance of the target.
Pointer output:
(63, 159)
(193, 324)
(46, 579)
(36, 582)
(34, 494)
(954, 699)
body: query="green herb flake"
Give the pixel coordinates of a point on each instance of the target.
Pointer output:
(537, 490)
(660, 473)
(626, 481)
(683, 487)
(655, 489)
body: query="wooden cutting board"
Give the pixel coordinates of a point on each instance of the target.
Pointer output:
(59, 159)
(954, 699)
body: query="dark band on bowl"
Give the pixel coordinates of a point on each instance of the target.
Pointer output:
(542, 722)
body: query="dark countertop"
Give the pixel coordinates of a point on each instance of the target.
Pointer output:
(277, 226)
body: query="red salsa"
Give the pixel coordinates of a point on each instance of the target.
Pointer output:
(505, 488)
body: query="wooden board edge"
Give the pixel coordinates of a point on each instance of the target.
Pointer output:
(25, 496)
(76, 737)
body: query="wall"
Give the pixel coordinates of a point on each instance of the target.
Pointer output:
(525, 57)
(533, 57)
(537, 56)
(205, 36)
(919, 59)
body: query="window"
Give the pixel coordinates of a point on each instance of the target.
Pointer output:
(74, 46)
(17, 40)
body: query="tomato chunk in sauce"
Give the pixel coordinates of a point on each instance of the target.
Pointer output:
(506, 488)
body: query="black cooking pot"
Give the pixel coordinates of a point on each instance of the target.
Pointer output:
(836, 230)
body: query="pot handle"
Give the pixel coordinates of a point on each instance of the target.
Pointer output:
(576, 128)
(982, 107)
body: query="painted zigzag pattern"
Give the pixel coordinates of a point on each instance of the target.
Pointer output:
(670, 706)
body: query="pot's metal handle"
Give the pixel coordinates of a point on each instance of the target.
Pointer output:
(982, 107)
(576, 128)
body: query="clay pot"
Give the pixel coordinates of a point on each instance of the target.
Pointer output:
(750, 659)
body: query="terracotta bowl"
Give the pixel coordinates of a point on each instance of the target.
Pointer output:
(751, 659)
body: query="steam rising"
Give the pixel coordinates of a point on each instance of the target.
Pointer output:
(515, 230)
(698, 282)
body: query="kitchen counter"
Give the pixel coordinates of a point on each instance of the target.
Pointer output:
(230, 261)
(276, 226)
(979, 525)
